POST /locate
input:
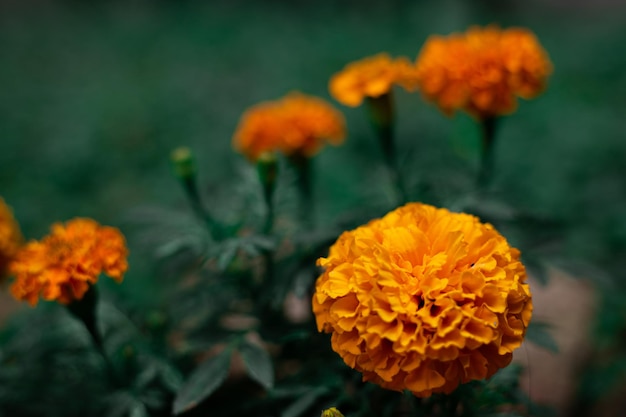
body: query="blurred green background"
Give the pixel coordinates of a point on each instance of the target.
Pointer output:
(95, 95)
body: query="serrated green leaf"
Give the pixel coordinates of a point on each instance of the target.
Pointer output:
(138, 410)
(203, 382)
(302, 404)
(171, 377)
(228, 254)
(539, 334)
(175, 245)
(263, 242)
(124, 404)
(258, 364)
(249, 248)
(146, 376)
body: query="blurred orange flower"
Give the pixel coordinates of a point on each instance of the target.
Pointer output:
(483, 70)
(65, 263)
(10, 238)
(370, 77)
(423, 299)
(295, 124)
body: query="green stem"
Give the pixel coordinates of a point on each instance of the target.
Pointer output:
(267, 170)
(184, 166)
(191, 190)
(488, 130)
(269, 217)
(85, 311)
(267, 229)
(304, 180)
(381, 115)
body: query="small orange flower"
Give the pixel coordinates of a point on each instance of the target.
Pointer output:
(10, 238)
(369, 77)
(423, 300)
(482, 71)
(312, 121)
(295, 124)
(65, 263)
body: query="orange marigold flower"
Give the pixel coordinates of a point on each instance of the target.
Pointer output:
(370, 77)
(423, 299)
(10, 238)
(65, 263)
(295, 124)
(482, 71)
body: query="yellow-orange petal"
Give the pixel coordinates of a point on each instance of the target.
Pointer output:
(423, 299)
(63, 265)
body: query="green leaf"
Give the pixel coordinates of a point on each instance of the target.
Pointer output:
(138, 410)
(303, 403)
(258, 364)
(203, 382)
(176, 245)
(539, 334)
(124, 404)
(229, 251)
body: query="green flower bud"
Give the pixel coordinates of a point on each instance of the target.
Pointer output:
(183, 162)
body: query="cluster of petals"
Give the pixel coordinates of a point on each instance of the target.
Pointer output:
(483, 70)
(10, 237)
(370, 77)
(423, 299)
(296, 124)
(64, 264)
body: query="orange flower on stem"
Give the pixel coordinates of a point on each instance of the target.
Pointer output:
(483, 70)
(423, 299)
(370, 77)
(66, 263)
(296, 124)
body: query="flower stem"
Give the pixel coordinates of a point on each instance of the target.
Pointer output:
(304, 180)
(381, 115)
(191, 190)
(185, 170)
(488, 130)
(85, 311)
(267, 169)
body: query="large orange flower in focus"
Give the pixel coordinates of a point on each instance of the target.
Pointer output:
(482, 71)
(63, 265)
(423, 299)
(370, 77)
(10, 238)
(296, 124)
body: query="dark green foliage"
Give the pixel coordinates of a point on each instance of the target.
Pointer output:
(95, 97)
(203, 382)
(258, 364)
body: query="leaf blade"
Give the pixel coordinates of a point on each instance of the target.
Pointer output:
(202, 382)
(302, 404)
(258, 364)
